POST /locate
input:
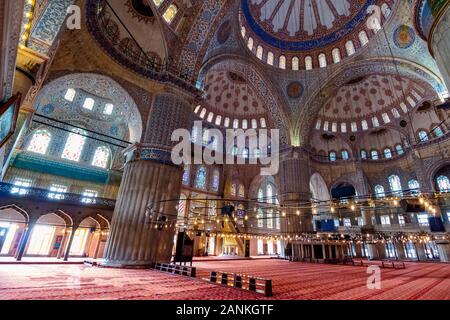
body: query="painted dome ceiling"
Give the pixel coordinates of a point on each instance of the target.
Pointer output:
(381, 96)
(309, 25)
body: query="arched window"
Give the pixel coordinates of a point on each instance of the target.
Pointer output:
(244, 124)
(423, 136)
(233, 189)
(364, 125)
(234, 151)
(260, 219)
(40, 141)
(438, 132)
(336, 53)
(295, 64)
(200, 180)
(254, 124)
(70, 94)
(256, 153)
(235, 124)
(269, 219)
(108, 110)
(203, 113)
(443, 183)
(261, 195)
(345, 155)
(263, 122)
(89, 104)
(269, 193)
(350, 47)
(308, 63)
(363, 154)
(243, 31)
(215, 181)
(74, 145)
(363, 39)
(241, 191)
(245, 154)
(379, 192)
(218, 120)
(332, 156)
(259, 52)
(322, 60)
(385, 10)
(282, 62)
(414, 187)
(270, 58)
(375, 122)
(210, 117)
(386, 118)
(374, 154)
(186, 176)
(101, 157)
(387, 153)
(250, 43)
(170, 13)
(226, 122)
(395, 184)
(399, 149)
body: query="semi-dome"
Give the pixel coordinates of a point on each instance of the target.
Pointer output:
(333, 29)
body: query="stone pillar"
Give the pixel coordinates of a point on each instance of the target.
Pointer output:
(149, 191)
(63, 244)
(420, 251)
(69, 243)
(439, 39)
(293, 178)
(24, 240)
(400, 249)
(444, 250)
(97, 245)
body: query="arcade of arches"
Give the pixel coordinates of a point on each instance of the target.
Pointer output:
(357, 91)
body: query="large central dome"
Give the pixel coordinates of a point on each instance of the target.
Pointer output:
(304, 34)
(304, 24)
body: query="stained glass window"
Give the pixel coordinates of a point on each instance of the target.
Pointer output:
(332, 156)
(269, 219)
(40, 141)
(387, 153)
(345, 155)
(269, 193)
(443, 183)
(212, 208)
(374, 154)
(108, 110)
(260, 195)
(379, 191)
(399, 149)
(414, 187)
(170, 13)
(233, 190)
(70, 94)
(423, 136)
(101, 157)
(74, 145)
(200, 181)
(88, 103)
(216, 181)
(241, 191)
(395, 184)
(260, 219)
(363, 154)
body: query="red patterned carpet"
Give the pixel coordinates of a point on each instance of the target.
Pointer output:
(290, 281)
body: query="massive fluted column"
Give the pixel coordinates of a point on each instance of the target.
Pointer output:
(439, 39)
(294, 178)
(149, 191)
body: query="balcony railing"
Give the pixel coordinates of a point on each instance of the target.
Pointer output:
(11, 191)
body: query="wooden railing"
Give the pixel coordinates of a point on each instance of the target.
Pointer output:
(174, 269)
(242, 281)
